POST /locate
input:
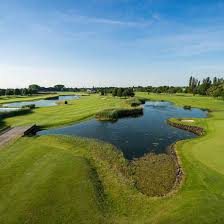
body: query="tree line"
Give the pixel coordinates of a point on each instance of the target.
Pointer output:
(207, 87)
(35, 89)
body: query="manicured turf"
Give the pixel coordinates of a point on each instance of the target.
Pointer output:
(76, 110)
(67, 180)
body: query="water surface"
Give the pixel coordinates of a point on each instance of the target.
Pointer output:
(8, 109)
(42, 103)
(136, 136)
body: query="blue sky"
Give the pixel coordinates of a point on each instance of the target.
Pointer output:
(110, 42)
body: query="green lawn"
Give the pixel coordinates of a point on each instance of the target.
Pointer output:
(70, 180)
(76, 110)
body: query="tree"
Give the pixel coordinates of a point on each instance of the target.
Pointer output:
(59, 87)
(2, 92)
(114, 92)
(9, 92)
(125, 93)
(34, 88)
(24, 92)
(119, 92)
(102, 92)
(17, 92)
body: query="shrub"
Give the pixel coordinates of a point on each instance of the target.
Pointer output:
(186, 107)
(30, 106)
(134, 102)
(15, 113)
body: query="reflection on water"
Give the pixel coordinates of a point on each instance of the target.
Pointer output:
(8, 109)
(136, 136)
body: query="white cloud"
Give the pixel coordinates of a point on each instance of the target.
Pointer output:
(69, 17)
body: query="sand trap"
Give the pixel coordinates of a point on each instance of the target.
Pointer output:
(189, 121)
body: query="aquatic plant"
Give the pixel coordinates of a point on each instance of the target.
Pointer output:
(116, 113)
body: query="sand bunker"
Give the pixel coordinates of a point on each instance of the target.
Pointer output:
(189, 121)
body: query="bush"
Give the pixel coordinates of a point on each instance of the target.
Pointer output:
(134, 102)
(186, 107)
(30, 106)
(15, 113)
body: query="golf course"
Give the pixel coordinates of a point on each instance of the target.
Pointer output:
(66, 179)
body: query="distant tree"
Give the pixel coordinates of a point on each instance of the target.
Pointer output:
(59, 87)
(114, 92)
(215, 81)
(24, 92)
(9, 92)
(125, 93)
(2, 92)
(119, 92)
(34, 88)
(17, 92)
(102, 92)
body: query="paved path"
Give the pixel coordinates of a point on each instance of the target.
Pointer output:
(14, 133)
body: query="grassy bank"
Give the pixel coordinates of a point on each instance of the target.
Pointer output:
(75, 183)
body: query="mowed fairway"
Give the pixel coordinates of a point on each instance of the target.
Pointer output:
(43, 182)
(57, 179)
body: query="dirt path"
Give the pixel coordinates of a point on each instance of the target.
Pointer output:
(14, 133)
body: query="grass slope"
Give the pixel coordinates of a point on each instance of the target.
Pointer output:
(70, 180)
(44, 182)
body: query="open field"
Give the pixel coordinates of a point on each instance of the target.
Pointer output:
(72, 181)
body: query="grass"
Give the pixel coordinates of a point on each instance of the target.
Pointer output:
(50, 184)
(74, 111)
(154, 175)
(74, 182)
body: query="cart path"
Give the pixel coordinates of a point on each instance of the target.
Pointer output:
(14, 133)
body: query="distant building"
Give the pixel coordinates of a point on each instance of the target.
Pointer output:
(91, 91)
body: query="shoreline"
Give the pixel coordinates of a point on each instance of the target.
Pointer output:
(172, 151)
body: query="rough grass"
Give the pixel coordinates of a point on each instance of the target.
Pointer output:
(116, 113)
(135, 101)
(154, 175)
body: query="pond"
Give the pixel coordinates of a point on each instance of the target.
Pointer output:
(4, 110)
(139, 135)
(42, 103)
